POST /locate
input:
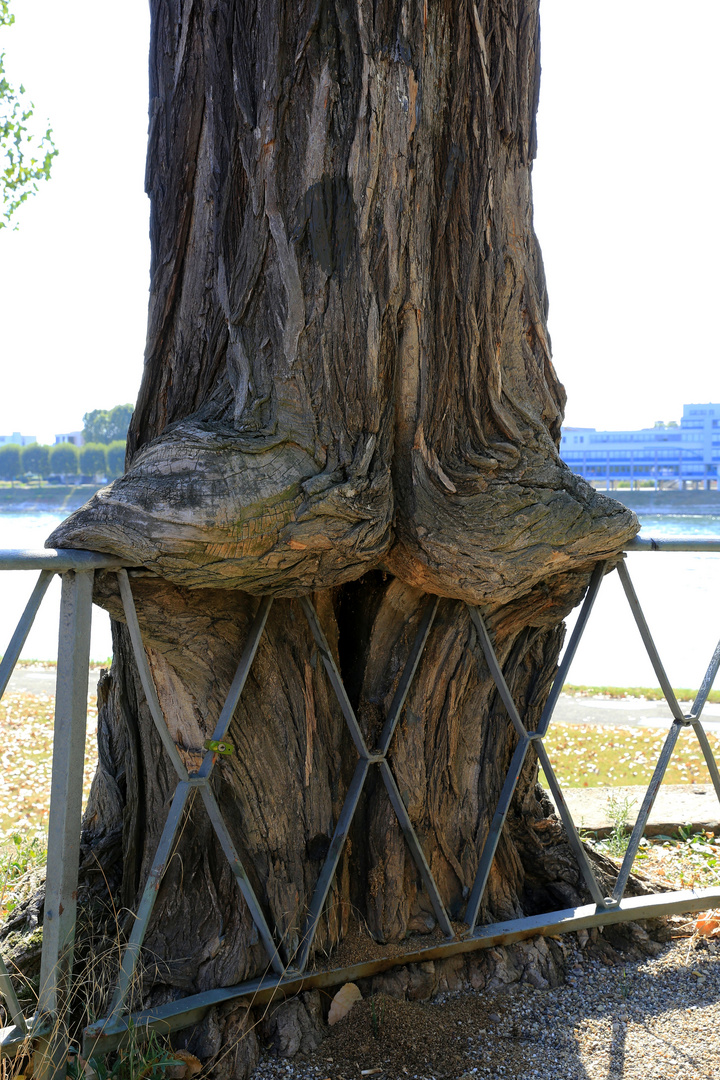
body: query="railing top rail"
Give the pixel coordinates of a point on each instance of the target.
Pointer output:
(57, 560)
(672, 543)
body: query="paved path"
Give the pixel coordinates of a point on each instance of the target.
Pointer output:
(675, 805)
(41, 681)
(613, 712)
(625, 712)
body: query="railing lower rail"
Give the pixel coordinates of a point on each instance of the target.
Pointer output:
(46, 1032)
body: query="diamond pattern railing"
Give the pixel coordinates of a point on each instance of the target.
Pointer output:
(290, 967)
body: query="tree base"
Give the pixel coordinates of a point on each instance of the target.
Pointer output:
(230, 1041)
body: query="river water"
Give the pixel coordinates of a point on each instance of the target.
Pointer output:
(30, 529)
(680, 594)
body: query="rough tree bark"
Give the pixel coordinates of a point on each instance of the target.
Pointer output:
(348, 392)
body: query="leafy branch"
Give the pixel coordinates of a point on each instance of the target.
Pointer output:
(25, 158)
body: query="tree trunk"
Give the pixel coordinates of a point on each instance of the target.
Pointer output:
(348, 394)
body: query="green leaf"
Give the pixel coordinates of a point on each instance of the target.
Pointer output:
(26, 156)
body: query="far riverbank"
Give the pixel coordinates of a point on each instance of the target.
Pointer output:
(56, 497)
(644, 501)
(679, 503)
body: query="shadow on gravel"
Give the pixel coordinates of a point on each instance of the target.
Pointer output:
(656, 1017)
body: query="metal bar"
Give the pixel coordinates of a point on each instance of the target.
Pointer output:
(145, 676)
(596, 580)
(646, 543)
(496, 670)
(14, 1040)
(331, 860)
(575, 842)
(152, 886)
(238, 684)
(408, 674)
(702, 695)
(708, 755)
(22, 630)
(415, 849)
(221, 830)
(104, 1036)
(8, 992)
(334, 676)
(65, 817)
(649, 643)
(647, 805)
(493, 837)
(58, 561)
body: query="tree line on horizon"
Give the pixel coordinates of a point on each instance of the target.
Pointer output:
(64, 459)
(107, 425)
(102, 455)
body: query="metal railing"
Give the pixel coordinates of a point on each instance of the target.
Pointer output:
(286, 973)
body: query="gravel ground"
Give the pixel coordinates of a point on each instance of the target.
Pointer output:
(658, 1019)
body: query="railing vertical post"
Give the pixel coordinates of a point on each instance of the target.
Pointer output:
(64, 824)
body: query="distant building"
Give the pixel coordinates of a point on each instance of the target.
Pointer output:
(16, 439)
(74, 437)
(668, 455)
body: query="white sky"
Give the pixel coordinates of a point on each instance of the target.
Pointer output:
(625, 197)
(74, 277)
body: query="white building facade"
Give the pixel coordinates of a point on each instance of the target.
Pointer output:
(684, 455)
(16, 439)
(74, 437)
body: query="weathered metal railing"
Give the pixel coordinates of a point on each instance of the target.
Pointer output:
(46, 1030)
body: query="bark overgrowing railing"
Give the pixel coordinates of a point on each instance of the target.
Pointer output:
(287, 972)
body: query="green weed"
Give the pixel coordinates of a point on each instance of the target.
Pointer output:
(146, 1061)
(19, 856)
(618, 810)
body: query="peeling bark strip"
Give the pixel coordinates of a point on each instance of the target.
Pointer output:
(348, 388)
(347, 365)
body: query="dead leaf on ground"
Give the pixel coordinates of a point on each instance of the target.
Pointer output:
(184, 1065)
(708, 924)
(343, 1002)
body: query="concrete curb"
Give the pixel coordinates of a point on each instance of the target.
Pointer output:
(695, 805)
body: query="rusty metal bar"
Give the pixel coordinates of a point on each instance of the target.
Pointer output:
(596, 580)
(146, 678)
(331, 861)
(12, 653)
(647, 805)
(492, 839)
(671, 543)
(694, 717)
(496, 671)
(238, 684)
(59, 560)
(335, 677)
(708, 755)
(575, 842)
(706, 686)
(411, 839)
(408, 674)
(8, 992)
(66, 794)
(244, 884)
(649, 643)
(101, 1037)
(149, 896)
